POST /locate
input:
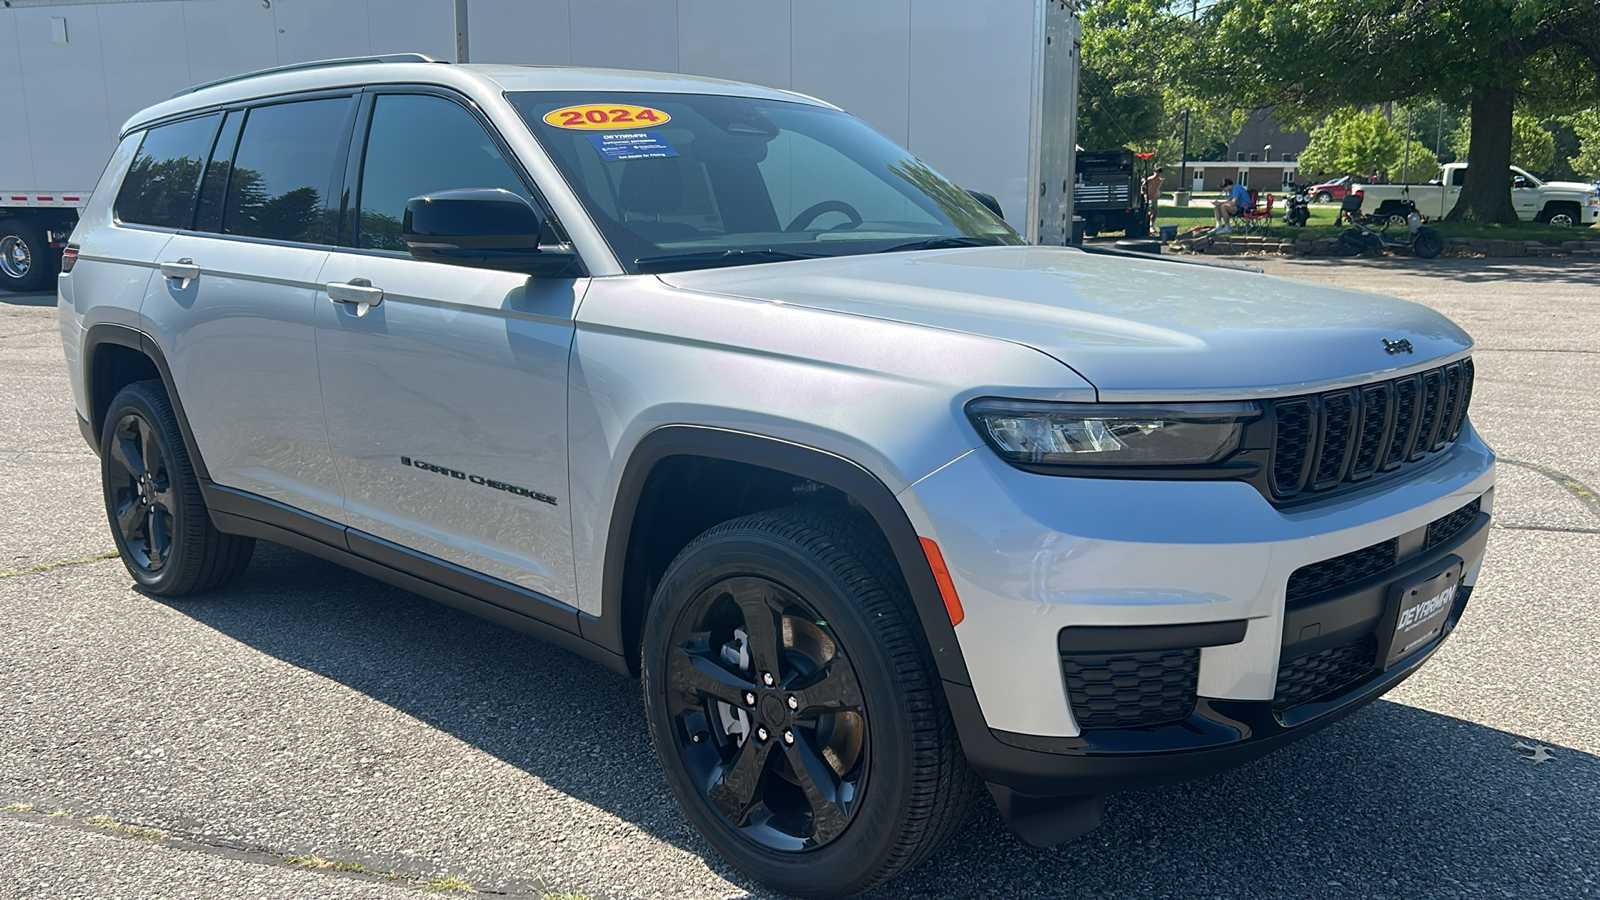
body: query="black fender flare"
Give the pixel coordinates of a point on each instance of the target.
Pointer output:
(821, 466)
(133, 339)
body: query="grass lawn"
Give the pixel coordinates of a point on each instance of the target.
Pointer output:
(1323, 215)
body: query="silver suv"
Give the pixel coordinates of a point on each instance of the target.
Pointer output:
(714, 384)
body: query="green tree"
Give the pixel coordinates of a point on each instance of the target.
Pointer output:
(1353, 142)
(1586, 163)
(1533, 147)
(1321, 55)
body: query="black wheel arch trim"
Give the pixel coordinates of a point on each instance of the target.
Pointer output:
(799, 460)
(133, 339)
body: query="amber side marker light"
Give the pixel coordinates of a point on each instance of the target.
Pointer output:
(941, 574)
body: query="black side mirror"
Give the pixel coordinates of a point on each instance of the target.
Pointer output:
(486, 228)
(989, 202)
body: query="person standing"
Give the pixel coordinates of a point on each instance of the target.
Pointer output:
(1151, 188)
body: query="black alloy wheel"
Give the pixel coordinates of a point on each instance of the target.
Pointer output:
(794, 705)
(767, 713)
(158, 516)
(139, 492)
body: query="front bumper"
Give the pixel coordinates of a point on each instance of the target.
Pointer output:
(1065, 553)
(1218, 734)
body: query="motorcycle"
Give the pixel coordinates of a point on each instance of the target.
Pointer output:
(1369, 233)
(1297, 206)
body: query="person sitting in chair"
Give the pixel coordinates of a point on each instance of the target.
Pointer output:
(1235, 200)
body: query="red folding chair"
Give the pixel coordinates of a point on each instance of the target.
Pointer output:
(1257, 216)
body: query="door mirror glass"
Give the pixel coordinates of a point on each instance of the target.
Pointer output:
(488, 228)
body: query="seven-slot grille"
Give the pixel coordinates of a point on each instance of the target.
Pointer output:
(1325, 440)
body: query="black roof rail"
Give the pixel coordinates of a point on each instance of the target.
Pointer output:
(319, 64)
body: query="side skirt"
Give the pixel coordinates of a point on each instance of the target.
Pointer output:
(240, 513)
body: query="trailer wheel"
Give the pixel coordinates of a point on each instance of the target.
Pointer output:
(25, 258)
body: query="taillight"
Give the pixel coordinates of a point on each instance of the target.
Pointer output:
(69, 258)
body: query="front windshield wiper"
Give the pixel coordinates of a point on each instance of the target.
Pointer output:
(714, 258)
(939, 243)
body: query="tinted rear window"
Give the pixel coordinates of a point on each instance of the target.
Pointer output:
(162, 183)
(283, 169)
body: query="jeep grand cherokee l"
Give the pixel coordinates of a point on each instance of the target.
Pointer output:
(714, 384)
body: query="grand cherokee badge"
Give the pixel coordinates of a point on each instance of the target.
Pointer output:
(1400, 346)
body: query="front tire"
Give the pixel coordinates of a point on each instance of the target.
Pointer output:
(794, 706)
(153, 502)
(1427, 244)
(1324, 197)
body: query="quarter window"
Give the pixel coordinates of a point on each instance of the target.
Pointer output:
(283, 169)
(416, 145)
(162, 183)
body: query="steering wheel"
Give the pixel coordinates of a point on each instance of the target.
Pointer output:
(810, 214)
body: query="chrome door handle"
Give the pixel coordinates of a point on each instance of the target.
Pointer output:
(184, 271)
(357, 290)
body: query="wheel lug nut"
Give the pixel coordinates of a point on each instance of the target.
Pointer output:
(767, 679)
(749, 698)
(794, 702)
(788, 737)
(762, 734)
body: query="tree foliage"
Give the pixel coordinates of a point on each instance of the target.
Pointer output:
(1586, 124)
(1533, 147)
(1319, 55)
(1129, 93)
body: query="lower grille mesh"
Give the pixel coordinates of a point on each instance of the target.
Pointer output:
(1130, 690)
(1326, 672)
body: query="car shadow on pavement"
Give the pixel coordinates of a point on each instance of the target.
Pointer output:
(7, 299)
(1394, 801)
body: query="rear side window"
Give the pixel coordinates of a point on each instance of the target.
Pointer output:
(283, 169)
(162, 183)
(417, 145)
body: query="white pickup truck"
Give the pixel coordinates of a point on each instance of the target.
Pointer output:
(1554, 202)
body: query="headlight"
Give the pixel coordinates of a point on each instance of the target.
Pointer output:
(1094, 434)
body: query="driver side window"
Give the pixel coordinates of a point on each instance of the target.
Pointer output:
(418, 144)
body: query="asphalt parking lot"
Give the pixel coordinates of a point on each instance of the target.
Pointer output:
(214, 747)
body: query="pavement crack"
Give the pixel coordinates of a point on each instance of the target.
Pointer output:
(45, 567)
(1563, 529)
(434, 885)
(1586, 495)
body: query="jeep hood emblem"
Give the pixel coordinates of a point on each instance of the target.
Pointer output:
(1400, 346)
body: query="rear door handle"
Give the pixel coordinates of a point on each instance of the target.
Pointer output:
(357, 290)
(183, 271)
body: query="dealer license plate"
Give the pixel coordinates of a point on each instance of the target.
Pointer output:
(1424, 609)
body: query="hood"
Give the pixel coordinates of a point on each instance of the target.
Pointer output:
(1134, 328)
(1581, 187)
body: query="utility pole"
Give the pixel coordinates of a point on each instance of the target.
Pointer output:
(1183, 168)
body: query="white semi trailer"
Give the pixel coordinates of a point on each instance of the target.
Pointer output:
(984, 92)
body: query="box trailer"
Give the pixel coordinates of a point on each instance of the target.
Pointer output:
(986, 93)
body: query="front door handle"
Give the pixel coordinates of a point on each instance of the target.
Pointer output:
(183, 271)
(357, 290)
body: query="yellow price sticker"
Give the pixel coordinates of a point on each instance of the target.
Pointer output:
(606, 117)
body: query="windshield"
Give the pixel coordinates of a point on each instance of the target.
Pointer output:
(681, 181)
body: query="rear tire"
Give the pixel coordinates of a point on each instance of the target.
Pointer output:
(1352, 243)
(875, 779)
(25, 257)
(158, 516)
